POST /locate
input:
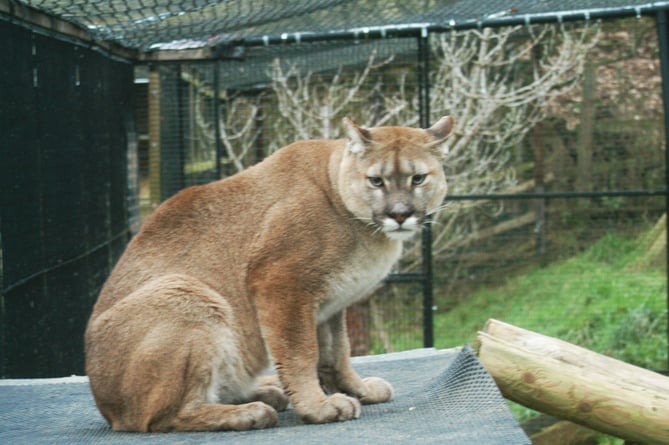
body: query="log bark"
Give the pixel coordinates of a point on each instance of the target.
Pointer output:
(575, 384)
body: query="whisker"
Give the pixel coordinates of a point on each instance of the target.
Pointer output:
(361, 218)
(369, 222)
(441, 207)
(433, 222)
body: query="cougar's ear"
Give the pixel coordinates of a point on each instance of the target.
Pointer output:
(440, 132)
(358, 137)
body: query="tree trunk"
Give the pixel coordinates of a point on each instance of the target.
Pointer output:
(586, 130)
(538, 150)
(539, 203)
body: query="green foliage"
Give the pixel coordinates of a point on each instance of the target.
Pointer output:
(594, 300)
(599, 299)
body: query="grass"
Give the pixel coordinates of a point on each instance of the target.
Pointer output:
(611, 298)
(597, 300)
(600, 299)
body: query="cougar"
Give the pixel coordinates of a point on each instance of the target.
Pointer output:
(258, 268)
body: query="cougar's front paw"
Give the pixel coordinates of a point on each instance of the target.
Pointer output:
(378, 391)
(334, 408)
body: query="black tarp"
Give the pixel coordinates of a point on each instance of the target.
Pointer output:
(65, 129)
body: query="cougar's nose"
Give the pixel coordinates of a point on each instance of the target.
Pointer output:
(400, 217)
(400, 212)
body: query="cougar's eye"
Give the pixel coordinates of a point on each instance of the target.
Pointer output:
(418, 179)
(375, 181)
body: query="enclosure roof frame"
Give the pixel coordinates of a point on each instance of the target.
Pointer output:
(422, 29)
(20, 12)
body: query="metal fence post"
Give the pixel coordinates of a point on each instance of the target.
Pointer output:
(424, 112)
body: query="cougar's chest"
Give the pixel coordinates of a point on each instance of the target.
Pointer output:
(361, 274)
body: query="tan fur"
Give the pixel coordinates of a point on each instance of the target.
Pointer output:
(263, 262)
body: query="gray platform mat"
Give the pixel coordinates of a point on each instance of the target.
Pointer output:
(440, 397)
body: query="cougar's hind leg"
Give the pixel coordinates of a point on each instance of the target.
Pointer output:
(176, 362)
(184, 400)
(176, 396)
(216, 371)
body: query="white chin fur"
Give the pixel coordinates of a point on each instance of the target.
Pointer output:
(393, 230)
(400, 235)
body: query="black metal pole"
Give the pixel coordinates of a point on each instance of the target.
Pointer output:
(663, 40)
(424, 111)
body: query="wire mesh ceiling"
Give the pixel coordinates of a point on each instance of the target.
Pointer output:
(148, 25)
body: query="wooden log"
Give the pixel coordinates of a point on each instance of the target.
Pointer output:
(576, 355)
(572, 383)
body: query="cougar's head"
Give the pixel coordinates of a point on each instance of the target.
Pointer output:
(392, 177)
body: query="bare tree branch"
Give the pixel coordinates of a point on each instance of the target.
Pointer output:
(312, 110)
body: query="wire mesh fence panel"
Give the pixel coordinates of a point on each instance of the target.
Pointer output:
(540, 110)
(559, 260)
